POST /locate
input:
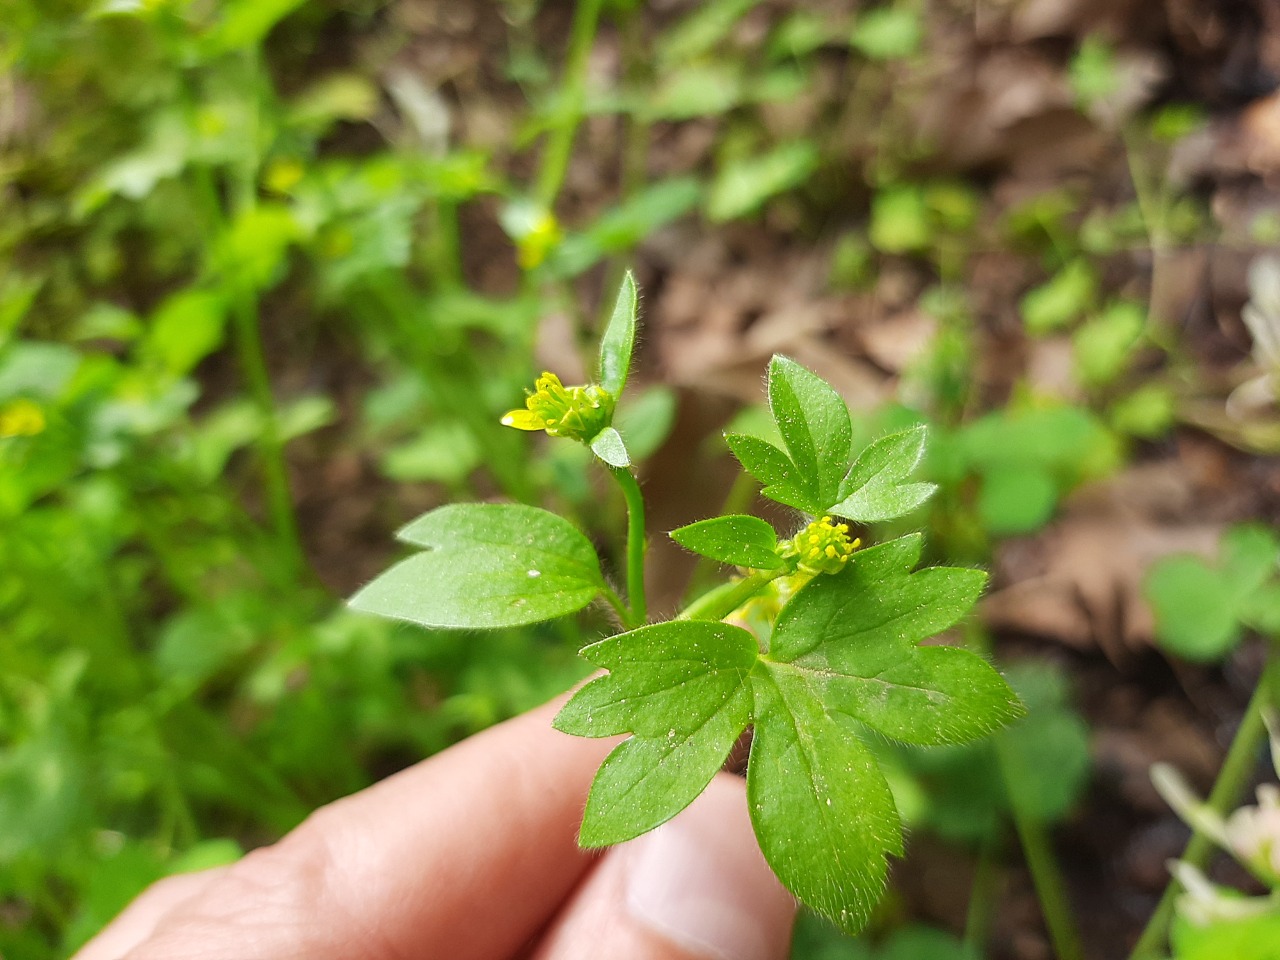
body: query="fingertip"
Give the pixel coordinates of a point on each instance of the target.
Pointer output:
(696, 887)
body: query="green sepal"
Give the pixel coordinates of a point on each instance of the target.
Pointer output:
(739, 540)
(609, 447)
(487, 566)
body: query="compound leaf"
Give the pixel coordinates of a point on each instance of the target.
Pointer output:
(681, 689)
(487, 566)
(740, 540)
(815, 426)
(876, 486)
(853, 635)
(821, 808)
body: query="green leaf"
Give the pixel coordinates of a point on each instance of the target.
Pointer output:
(487, 566)
(888, 33)
(900, 220)
(762, 460)
(619, 339)
(681, 689)
(1104, 344)
(744, 186)
(739, 540)
(1255, 937)
(1194, 608)
(853, 636)
(1055, 304)
(815, 426)
(185, 329)
(608, 446)
(821, 808)
(874, 489)
(1015, 500)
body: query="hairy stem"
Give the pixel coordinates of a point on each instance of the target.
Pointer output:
(635, 545)
(723, 600)
(1237, 770)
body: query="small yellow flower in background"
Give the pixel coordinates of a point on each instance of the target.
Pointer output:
(821, 547)
(283, 174)
(21, 418)
(543, 237)
(533, 228)
(578, 413)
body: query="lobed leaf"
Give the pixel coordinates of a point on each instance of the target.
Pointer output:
(681, 689)
(739, 540)
(853, 636)
(487, 566)
(876, 487)
(815, 426)
(821, 808)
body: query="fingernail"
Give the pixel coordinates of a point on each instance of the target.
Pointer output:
(700, 882)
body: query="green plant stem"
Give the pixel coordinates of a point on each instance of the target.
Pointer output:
(1037, 851)
(982, 897)
(635, 545)
(1051, 888)
(718, 603)
(615, 601)
(1237, 769)
(559, 144)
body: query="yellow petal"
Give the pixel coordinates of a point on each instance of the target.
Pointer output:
(523, 420)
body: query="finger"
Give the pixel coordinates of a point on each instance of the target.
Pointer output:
(139, 919)
(696, 888)
(463, 856)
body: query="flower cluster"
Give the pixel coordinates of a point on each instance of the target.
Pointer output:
(821, 547)
(579, 413)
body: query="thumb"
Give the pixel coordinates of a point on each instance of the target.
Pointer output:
(696, 888)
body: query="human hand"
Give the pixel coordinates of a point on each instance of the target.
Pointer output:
(471, 855)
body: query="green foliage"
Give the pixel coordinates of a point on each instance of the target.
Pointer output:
(1202, 609)
(816, 474)
(888, 33)
(739, 540)
(1060, 301)
(487, 566)
(1037, 767)
(743, 186)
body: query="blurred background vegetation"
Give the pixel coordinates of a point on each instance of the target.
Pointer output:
(271, 270)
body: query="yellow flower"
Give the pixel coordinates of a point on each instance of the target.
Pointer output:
(21, 418)
(578, 413)
(544, 235)
(821, 547)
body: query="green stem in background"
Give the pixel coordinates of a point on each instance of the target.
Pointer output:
(559, 144)
(635, 545)
(1037, 851)
(982, 896)
(1237, 770)
(723, 600)
(248, 338)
